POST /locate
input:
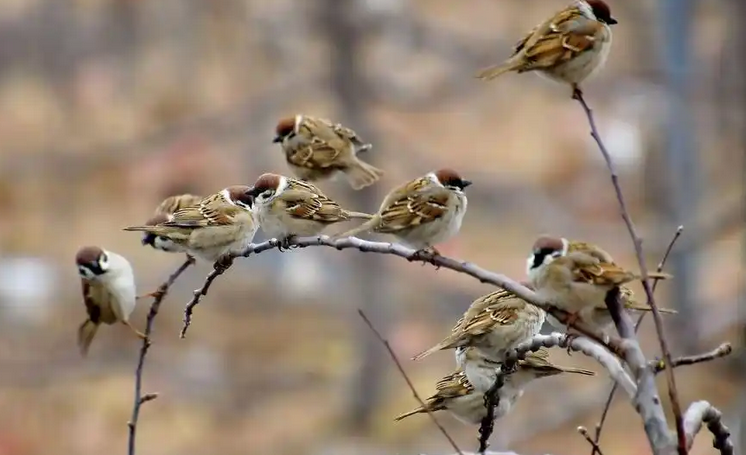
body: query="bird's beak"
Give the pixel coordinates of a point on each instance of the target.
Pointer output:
(148, 239)
(465, 183)
(612, 21)
(279, 138)
(251, 193)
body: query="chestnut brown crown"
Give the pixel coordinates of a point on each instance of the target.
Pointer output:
(265, 183)
(602, 11)
(450, 178)
(88, 255)
(285, 127)
(239, 195)
(545, 246)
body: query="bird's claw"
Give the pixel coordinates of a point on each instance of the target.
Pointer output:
(286, 244)
(223, 263)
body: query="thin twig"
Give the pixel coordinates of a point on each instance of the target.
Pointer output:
(416, 395)
(140, 399)
(491, 401)
(672, 392)
(703, 412)
(721, 351)
(612, 392)
(219, 268)
(584, 432)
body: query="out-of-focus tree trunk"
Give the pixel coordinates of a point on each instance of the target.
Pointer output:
(681, 159)
(339, 20)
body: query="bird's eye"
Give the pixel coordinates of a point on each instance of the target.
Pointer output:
(267, 194)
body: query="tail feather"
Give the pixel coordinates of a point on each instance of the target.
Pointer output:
(438, 347)
(359, 215)
(140, 228)
(491, 72)
(419, 410)
(368, 225)
(86, 332)
(578, 371)
(362, 174)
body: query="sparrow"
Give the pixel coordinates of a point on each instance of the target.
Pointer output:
(568, 47)
(422, 212)
(287, 208)
(162, 214)
(109, 292)
(494, 323)
(456, 393)
(219, 225)
(576, 280)
(317, 149)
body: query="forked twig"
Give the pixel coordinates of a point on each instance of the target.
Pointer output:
(159, 295)
(721, 351)
(584, 432)
(612, 392)
(672, 392)
(416, 395)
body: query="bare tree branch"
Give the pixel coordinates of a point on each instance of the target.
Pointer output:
(158, 297)
(409, 382)
(703, 412)
(721, 351)
(612, 392)
(219, 268)
(655, 421)
(579, 344)
(614, 344)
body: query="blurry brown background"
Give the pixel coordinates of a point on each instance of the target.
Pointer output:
(107, 106)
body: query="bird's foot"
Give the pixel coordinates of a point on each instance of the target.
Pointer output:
(286, 243)
(157, 294)
(425, 255)
(568, 340)
(223, 263)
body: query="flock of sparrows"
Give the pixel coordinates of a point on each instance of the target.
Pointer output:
(421, 213)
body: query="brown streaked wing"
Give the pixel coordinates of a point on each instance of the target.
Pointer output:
(604, 274)
(316, 155)
(499, 308)
(212, 211)
(307, 201)
(420, 207)
(93, 310)
(454, 385)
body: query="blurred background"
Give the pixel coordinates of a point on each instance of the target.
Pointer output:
(108, 106)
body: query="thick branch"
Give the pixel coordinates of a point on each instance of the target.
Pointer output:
(491, 401)
(159, 295)
(409, 382)
(703, 412)
(612, 392)
(614, 344)
(651, 410)
(579, 344)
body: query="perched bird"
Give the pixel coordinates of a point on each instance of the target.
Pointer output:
(568, 47)
(422, 212)
(109, 292)
(163, 213)
(221, 224)
(317, 149)
(456, 394)
(287, 208)
(493, 323)
(577, 280)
